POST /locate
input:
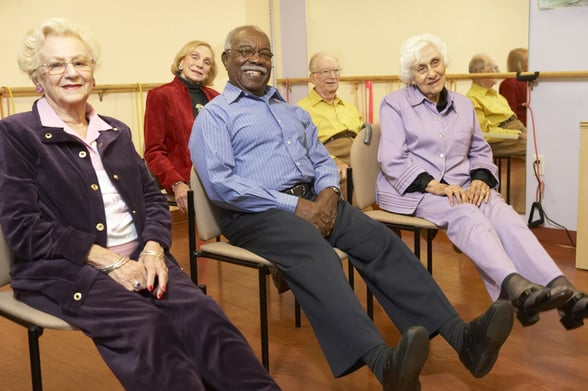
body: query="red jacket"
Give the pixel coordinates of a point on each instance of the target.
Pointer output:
(515, 92)
(168, 122)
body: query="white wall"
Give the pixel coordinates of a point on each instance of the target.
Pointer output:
(557, 42)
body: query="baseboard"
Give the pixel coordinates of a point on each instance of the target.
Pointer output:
(555, 236)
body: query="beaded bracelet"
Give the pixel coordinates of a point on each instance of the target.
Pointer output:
(152, 252)
(121, 261)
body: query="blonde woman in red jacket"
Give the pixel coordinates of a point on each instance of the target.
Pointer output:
(169, 115)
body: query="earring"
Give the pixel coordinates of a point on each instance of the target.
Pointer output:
(40, 89)
(181, 66)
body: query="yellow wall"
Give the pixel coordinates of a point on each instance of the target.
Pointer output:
(366, 35)
(140, 37)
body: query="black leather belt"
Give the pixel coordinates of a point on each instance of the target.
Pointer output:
(343, 134)
(512, 118)
(298, 190)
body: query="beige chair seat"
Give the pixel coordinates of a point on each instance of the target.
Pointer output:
(19, 312)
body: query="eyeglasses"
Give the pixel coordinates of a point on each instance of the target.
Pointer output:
(327, 72)
(248, 52)
(58, 67)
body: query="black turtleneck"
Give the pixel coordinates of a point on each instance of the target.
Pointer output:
(196, 95)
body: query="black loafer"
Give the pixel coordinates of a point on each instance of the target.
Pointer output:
(536, 299)
(405, 363)
(574, 311)
(484, 336)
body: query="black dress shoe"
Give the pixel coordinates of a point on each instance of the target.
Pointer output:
(484, 337)
(536, 299)
(574, 311)
(406, 361)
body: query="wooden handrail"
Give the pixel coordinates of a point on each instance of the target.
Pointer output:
(455, 76)
(99, 90)
(103, 89)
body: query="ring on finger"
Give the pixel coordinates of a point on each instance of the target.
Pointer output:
(136, 285)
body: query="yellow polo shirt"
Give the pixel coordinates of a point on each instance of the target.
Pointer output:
(331, 119)
(491, 109)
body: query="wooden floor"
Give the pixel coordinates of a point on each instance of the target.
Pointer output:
(542, 357)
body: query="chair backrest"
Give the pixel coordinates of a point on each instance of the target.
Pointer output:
(4, 261)
(365, 166)
(208, 215)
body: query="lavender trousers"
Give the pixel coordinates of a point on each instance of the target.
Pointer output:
(494, 237)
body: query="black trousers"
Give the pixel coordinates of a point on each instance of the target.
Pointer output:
(313, 271)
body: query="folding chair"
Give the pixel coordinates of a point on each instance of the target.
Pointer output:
(365, 169)
(204, 216)
(34, 320)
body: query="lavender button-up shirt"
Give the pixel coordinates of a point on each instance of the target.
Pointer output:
(417, 138)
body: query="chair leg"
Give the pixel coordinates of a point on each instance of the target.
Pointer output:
(297, 317)
(430, 236)
(350, 274)
(370, 303)
(263, 271)
(417, 242)
(34, 333)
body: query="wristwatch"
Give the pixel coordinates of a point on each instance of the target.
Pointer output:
(335, 189)
(175, 184)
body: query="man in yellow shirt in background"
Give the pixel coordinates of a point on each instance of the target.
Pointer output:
(338, 121)
(500, 126)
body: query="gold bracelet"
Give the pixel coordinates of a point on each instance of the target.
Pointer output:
(152, 252)
(121, 261)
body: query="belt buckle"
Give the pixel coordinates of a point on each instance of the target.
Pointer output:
(298, 190)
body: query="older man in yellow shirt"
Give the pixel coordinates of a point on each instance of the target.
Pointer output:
(337, 121)
(500, 126)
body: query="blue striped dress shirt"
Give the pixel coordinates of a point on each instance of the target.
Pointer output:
(246, 149)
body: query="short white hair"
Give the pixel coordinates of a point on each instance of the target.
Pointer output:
(409, 53)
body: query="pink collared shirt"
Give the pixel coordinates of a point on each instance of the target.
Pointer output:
(121, 232)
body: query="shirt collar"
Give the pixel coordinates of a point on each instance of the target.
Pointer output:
(314, 98)
(416, 97)
(234, 93)
(50, 119)
(482, 91)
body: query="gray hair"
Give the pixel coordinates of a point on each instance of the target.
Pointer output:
(28, 58)
(233, 33)
(315, 57)
(478, 63)
(409, 53)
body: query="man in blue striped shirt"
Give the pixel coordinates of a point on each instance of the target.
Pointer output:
(259, 158)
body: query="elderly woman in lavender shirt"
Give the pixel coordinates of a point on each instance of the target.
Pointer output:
(436, 165)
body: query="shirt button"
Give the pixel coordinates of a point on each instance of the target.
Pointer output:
(77, 296)
(48, 136)
(94, 186)
(100, 227)
(115, 129)
(441, 135)
(441, 155)
(82, 154)
(115, 177)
